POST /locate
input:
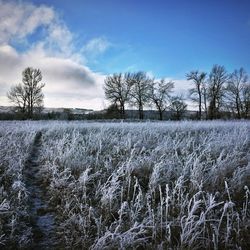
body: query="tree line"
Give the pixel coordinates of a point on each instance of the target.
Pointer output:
(220, 91)
(215, 93)
(140, 90)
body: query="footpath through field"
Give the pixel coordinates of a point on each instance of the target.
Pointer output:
(41, 217)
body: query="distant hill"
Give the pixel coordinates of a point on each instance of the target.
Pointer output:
(76, 111)
(7, 113)
(9, 109)
(6, 109)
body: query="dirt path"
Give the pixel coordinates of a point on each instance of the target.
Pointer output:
(41, 218)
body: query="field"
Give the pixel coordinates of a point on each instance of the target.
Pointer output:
(152, 185)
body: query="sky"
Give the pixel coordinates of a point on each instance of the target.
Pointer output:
(77, 43)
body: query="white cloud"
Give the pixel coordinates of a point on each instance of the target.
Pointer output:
(69, 83)
(96, 46)
(17, 20)
(181, 86)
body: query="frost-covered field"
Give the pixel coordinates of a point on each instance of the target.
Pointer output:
(169, 185)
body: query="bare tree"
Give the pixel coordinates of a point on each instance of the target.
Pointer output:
(18, 96)
(234, 91)
(160, 95)
(198, 93)
(28, 96)
(216, 81)
(178, 107)
(117, 89)
(140, 91)
(205, 97)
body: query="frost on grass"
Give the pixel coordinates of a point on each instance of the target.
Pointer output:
(15, 144)
(128, 185)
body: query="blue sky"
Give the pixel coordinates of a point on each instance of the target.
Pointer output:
(77, 43)
(165, 37)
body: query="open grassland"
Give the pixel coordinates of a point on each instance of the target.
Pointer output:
(161, 185)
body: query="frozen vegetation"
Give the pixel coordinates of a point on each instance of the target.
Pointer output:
(169, 185)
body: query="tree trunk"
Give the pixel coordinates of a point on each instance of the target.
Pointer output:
(238, 107)
(200, 101)
(212, 109)
(178, 115)
(141, 115)
(160, 113)
(199, 106)
(122, 111)
(205, 103)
